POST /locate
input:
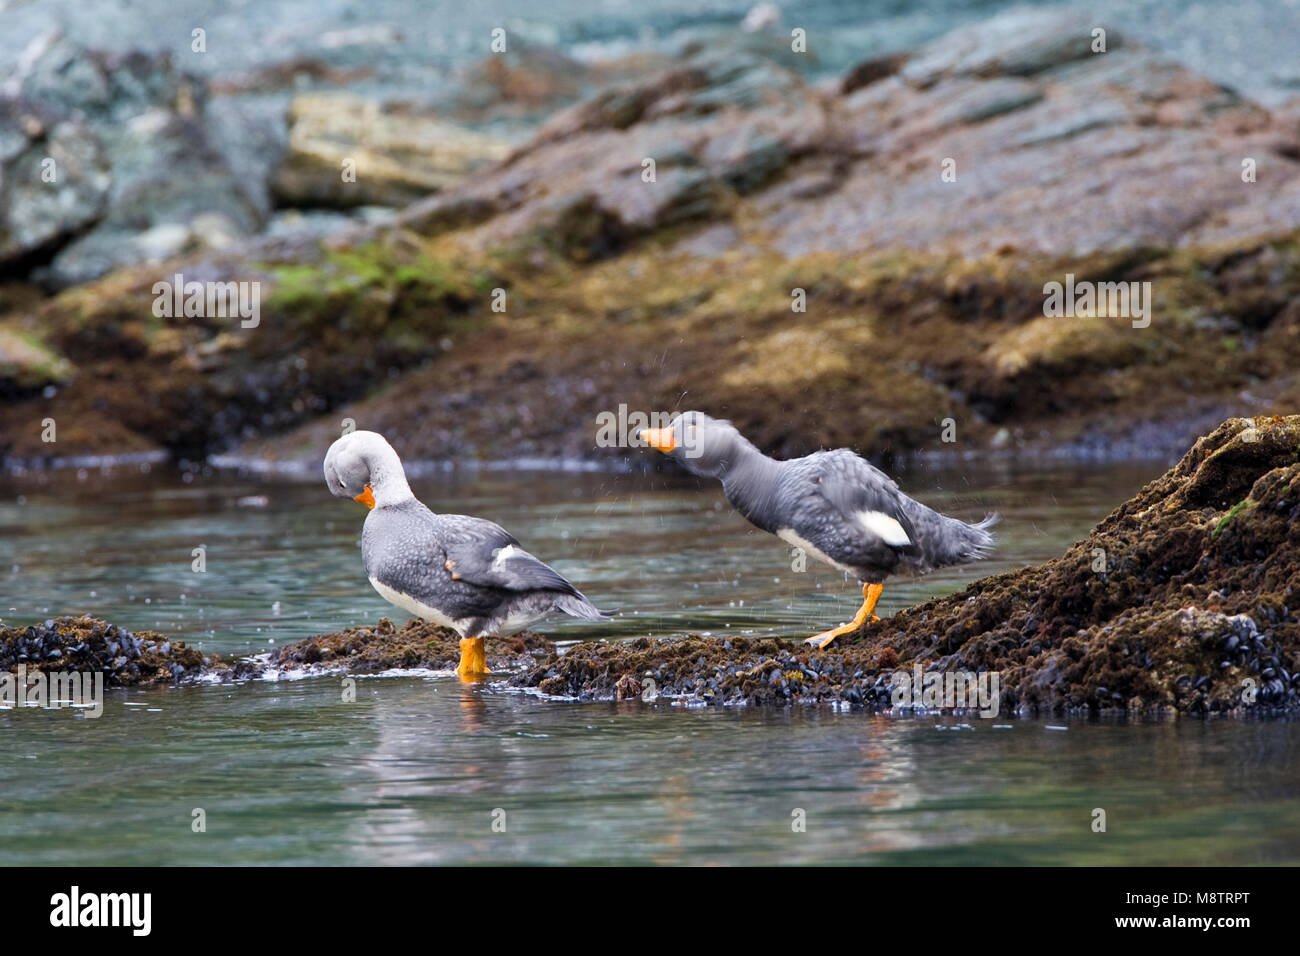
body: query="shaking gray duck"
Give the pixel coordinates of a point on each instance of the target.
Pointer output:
(835, 506)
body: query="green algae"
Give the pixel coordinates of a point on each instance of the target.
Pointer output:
(1237, 509)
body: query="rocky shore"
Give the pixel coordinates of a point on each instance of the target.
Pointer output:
(128, 658)
(922, 292)
(1185, 599)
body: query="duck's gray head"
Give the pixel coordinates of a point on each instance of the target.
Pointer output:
(705, 446)
(364, 467)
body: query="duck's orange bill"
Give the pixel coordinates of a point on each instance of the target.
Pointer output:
(366, 497)
(660, 439)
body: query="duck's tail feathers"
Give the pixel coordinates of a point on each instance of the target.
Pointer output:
(981, 540)
(579, 606)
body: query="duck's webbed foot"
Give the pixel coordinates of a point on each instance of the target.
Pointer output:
(473, 658)
(870, 595)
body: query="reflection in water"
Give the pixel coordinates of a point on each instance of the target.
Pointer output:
(414, 770)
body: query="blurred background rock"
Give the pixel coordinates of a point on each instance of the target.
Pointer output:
(523, 171)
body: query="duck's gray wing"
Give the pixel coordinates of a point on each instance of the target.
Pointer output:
(483, 553)
(848, 506)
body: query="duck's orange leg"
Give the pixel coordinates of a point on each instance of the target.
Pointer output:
(870, 595)
(473, 657)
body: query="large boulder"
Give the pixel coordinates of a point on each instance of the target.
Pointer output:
(1025, 133)
(653, 154)
(1031, 131)
(54, 180)
(147, 174)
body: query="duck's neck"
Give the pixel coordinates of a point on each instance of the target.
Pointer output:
(388, 481)
(750, 484)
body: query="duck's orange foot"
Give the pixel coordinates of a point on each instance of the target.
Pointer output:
(473, 658)
(826, 638)
(870, 595)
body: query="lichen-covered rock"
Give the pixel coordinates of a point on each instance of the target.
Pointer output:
(327, 319)
(27, 365)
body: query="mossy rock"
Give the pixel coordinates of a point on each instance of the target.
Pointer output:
(28, 365)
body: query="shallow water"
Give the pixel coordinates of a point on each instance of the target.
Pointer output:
(413, 770)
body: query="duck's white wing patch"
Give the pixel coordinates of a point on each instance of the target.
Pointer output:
(503, 555)
(885, 528)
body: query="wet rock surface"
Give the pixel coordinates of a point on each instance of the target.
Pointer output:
(387, 646)
(128, 658)
(707, 670)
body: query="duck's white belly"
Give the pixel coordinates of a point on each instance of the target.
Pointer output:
(418, 608)
(516, 622)
(790, 537)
